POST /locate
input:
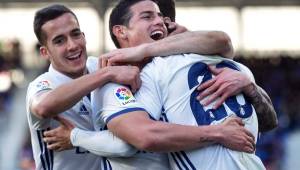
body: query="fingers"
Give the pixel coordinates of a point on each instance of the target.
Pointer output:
(210, 87)
(207, 84)
(215, 96)
(249, 148)
(56, 147)
(64, 122)
(136, 83)
(103, 62)
(133, 86)
(251, 137)
(220, 102)
(214, 70)
(50, 133)
(234, 120)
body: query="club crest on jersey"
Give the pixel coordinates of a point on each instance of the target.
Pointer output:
(124, 96)
(43, 85)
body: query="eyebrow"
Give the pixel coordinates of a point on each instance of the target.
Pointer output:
(60, 35)
(151, 12)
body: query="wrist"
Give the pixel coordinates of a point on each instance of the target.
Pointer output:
(107, 74)
(73, 136)
(146, 50)
(214, 134)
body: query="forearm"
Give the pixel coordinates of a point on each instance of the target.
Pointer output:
(165, 137)
(65, 96)
(200, 42)
(267, 118)
(145, 134)
(102, 143)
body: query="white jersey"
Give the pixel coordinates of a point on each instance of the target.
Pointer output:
(111, 101)
(169, 90)
(79, 115)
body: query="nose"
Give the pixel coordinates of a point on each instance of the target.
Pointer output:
(72, 45)
(159, 20)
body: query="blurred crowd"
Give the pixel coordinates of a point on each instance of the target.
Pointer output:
(10, 60)
(279, 76)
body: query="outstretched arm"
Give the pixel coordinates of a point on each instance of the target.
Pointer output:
(49, 103)
(200, 42)
(139, 130)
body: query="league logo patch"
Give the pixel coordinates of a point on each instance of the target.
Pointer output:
(124, 96)
(43, 85)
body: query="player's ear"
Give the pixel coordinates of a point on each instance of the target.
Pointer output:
(120, 31)
(44, 52)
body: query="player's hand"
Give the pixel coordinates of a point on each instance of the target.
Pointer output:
(173, 27)
(226, 83)
(123, 56)
(236, 137)
(127, 75)
(58, 139)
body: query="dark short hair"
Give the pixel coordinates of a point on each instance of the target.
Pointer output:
(46, 14)
(121, 15)
(167, 8)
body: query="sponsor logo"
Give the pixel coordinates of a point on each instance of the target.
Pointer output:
(83, 110)
(43, 85)
(124, 96)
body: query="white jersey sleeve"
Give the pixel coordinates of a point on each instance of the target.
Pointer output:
(149, 93)
(102, 143)
(35, 88)
(111, 101)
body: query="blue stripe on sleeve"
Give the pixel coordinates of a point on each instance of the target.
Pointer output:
(123, 112)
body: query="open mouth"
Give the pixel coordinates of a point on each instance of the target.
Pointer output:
(157, 35)
(74, 56)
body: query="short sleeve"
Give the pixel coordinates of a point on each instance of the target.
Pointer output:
(35, 88)
(113, 100)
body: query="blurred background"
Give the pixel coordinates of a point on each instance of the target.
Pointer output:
(265, 35)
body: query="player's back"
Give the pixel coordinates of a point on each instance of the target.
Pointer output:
(176, 79)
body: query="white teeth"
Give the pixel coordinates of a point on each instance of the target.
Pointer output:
(77, 55)
(157, 32)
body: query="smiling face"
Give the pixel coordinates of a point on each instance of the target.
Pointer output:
(145, 25)
(65, 45)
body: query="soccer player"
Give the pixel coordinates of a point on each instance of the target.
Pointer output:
(172, 94)
(63, 43)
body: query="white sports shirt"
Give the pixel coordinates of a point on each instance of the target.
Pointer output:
(169, 90)
(109, 102)
(79, 114)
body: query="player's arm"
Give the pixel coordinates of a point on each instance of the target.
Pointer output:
(200, 42)
(228, 82)
(146, 134)
(266, 115)
(49, 103)
(102, 143)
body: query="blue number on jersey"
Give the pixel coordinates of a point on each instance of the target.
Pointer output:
(200, 73)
